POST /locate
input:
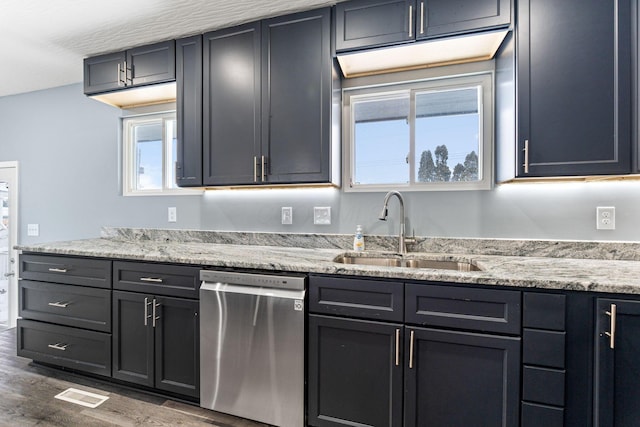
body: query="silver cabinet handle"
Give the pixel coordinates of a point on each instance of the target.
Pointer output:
(397, 347)
(421, 17)
(127, 80)
(411, 351)
(612, 326)
(59, 304)
(146, 311)
(526, 156)
(263, 167)
(154, 318)
(120, 81)
(58, 270)
(58, 346)
(255, 168)
(150, 279)
(410, 21)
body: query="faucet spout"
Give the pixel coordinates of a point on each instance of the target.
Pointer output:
(402, 239)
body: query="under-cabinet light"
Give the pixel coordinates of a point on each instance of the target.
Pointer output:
(446, 51)
(136, 97)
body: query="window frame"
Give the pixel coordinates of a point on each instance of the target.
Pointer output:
(129, 175)
(431, 80)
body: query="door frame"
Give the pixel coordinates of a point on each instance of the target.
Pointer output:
(12, 169)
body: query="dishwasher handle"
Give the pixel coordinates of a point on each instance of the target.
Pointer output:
(252, 290)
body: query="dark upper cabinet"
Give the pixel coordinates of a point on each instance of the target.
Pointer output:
(231, 120)
(369, 23)
(296, 98)
(617, 374)
(267, 105)
(574, 87)
(189, 111)
(139, 66)
(443, 17)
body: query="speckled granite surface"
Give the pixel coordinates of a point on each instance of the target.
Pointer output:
(508, 263)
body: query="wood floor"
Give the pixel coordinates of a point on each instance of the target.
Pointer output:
(27, 393)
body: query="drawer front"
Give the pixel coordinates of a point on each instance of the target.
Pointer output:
(543, 348)
(157, 279)
(68, 270)
(368, 299)
(78, 349)
(542, 385)
(541, 416)
(543, 311)
(485, 310)
(77, 306)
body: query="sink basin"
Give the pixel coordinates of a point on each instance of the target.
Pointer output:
(391, 261)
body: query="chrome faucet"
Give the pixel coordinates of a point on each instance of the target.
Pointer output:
(402, 238)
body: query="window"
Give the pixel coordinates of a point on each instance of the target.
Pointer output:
(149, 155)
(422, 135)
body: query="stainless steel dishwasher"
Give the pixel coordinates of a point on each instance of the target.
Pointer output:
(252, 346)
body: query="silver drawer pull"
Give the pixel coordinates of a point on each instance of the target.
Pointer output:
(150, 279)
(58, 346)
(59, 304)
(612, 326)
(58, 270)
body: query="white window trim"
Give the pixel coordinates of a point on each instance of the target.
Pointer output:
(482, 75)
(128, 158)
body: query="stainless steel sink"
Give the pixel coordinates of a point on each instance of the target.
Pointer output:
(396, 261)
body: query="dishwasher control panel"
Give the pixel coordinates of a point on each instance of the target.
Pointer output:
(253, 279)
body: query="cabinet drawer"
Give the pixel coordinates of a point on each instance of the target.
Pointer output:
(69, 270)
(157, 279)
(541, 416)
(542, 385)
(77, 306)
(484, 310)
(543, 348)
(369, 299)
(543, 311)
(78, 349)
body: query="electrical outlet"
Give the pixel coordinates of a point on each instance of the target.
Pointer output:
(172, 214)
(322, 215)
(287, 215)
(606, 218)
(33, 230)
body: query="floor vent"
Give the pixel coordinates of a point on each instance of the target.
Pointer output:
(81, 397)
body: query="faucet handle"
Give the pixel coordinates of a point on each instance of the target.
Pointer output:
(411, 239)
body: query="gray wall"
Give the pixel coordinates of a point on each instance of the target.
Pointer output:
(68, 149)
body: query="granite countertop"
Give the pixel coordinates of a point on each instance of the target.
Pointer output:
(275, 253)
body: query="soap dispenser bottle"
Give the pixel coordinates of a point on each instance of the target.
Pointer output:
(358, 240)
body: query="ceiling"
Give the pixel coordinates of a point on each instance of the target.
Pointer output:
(43, 42)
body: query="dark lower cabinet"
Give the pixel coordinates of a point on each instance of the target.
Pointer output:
(460, 379)
(355, 372)
(155, 342)
(617, 369)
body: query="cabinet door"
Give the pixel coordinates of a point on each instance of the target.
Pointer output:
(177, 357)
(367, 23)
(189, 111)
(155, 63)
(104, 73)
(231, 105)
(355, 372)
(296, 97)
(455, 379)
(617, 373)
(443, 17)
(132, 338)
(574, 87)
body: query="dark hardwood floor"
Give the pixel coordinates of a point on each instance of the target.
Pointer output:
(27, 393)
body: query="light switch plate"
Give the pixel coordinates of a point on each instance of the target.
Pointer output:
(33, 230)
(322, 215)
